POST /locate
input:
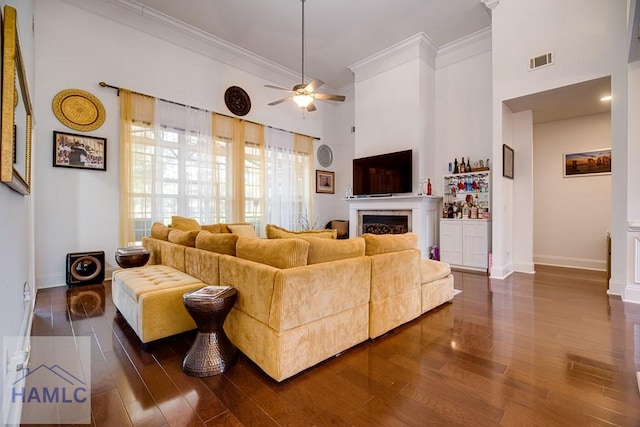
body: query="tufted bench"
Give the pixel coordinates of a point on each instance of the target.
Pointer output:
(150, 299)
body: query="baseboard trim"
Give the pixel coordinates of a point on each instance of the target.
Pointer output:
(582, 263)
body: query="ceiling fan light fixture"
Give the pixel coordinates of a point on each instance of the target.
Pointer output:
(303, 101)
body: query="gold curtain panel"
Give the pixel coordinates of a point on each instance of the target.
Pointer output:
(78, 110)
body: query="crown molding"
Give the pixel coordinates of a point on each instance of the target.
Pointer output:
(419, 46)
(140, 17)
(464, 48)
(490, 4)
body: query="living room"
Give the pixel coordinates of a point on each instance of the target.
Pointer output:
(81, 43)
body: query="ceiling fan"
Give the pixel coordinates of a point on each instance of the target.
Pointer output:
(304, 94)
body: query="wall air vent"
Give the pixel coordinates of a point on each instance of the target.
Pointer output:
(540, 61)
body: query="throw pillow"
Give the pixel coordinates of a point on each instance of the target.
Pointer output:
(280, 253)
(214, 228)
(184, 224)
(276, 232)
(224, 228)
(383, 243)
(185, 238)
(244, 230)
(160, 231)
(219, 243)
(327, 250)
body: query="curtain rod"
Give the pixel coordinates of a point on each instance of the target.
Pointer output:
(103, 84)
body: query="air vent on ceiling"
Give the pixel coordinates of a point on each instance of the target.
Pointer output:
(541, 61)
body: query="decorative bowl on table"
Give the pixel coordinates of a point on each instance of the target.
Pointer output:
(134, 256)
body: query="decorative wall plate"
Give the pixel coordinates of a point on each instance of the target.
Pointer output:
(237, 100)
(325, 155)
(78, 110)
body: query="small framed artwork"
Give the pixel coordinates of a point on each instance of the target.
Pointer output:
(507, 161)
(586, 163)
(79, 151)
(325, 182)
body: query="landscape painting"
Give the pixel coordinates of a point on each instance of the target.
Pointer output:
(596, 162)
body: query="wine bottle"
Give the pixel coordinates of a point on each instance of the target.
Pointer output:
(455, 165)
(462, 166)
(428, 186)
(468, 168)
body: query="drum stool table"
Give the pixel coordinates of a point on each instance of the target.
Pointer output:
(211, 352)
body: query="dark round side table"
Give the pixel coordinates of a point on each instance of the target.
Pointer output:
(211, 352)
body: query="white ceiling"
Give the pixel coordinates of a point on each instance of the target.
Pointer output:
(339, 33)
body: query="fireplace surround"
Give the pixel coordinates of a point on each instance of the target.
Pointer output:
(422, 214)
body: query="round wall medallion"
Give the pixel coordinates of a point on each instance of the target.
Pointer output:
(78, 110)
(325, 156)
(237, 100)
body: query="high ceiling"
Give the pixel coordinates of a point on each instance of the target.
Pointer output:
(339, 33)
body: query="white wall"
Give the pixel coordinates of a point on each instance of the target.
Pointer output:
(463, 102)
(77, 210)
(396, 103)
(587, 38)
(16, 244)
(572, 215)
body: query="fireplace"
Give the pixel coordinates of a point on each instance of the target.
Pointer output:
(384, 222)
(422, 215)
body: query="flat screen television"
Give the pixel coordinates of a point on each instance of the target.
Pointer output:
(384, 174)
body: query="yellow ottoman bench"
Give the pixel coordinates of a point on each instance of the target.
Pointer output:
(150, 299)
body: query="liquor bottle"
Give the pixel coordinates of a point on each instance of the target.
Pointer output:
(428, 186)
(468, 168)
(462, 166)
(455, 165)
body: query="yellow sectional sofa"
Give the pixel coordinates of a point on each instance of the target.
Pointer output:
(301, 299)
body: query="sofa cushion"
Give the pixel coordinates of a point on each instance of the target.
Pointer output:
(431, 270)
(150, 278)
(326, 250)
(185, 238)
(279, 253)
(276, 232)
(184, 224)
(384, 243)
(245, 230)
(213, 228)
(160, 231)
(224, 228)
(221, 243)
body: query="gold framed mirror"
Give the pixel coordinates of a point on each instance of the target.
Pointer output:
(17, 114)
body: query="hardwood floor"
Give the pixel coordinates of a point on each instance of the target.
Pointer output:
(549, 349)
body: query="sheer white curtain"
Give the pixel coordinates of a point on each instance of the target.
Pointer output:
(286, 201)
(184, 163)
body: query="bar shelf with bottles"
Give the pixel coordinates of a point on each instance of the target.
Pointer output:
(467, 195)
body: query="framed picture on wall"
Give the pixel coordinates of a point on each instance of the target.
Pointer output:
(595, 162)
(325, 182)
(79, 151)
(507, 161)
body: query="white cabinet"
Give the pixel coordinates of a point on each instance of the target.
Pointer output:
(465, 243)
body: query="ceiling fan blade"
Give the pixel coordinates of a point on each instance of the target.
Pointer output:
(327, 97)
(313, 85)
(277, 87)
(311, 107)
(280, 101)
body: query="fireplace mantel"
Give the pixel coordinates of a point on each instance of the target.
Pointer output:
(425, 213)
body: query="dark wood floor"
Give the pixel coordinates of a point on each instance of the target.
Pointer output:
(549, 349)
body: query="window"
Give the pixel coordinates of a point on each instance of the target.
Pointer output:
(178, 160)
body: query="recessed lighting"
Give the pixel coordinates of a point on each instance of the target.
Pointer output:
(605, 98)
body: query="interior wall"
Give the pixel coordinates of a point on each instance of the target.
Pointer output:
(77, 210)
(463, 125)
(572, 214)
(587, 39)
(16, 229)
